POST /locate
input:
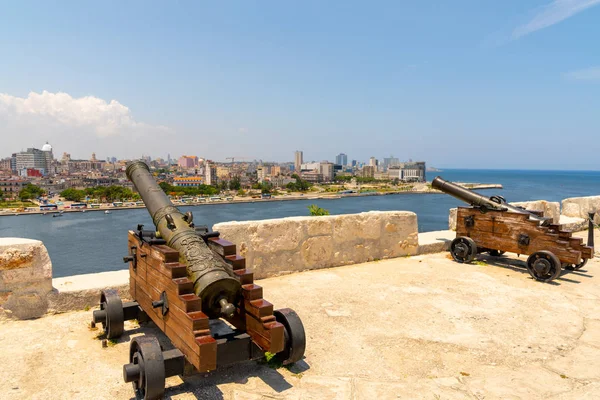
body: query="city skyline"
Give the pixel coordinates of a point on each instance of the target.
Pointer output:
(461, 85)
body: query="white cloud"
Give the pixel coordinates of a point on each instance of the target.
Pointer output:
(591, 74)
(77, 125)
(553, 13)
(105, 118)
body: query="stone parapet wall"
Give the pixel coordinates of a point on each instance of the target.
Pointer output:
(280, 246)
(25, 278)
(579, 207)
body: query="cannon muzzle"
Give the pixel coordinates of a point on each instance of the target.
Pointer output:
(212, 277)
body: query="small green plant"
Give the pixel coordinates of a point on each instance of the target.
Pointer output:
(86, 308)
(271, 361)
(315, 210)
(112, 342)
(480, 263)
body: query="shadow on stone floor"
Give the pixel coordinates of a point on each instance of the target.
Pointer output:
(204, 385)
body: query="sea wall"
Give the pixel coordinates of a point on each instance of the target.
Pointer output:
(550, 209)
(280, 246)
(25, 278)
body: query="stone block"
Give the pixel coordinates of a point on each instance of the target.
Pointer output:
(78, 292)
(319, 226)
(25, 277)
(551, 209)
(452, 219)
(435, 242)
(317, 251)
(279, 246)
(579, 207)
(573, 224)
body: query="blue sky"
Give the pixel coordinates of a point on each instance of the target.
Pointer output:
(498, 84)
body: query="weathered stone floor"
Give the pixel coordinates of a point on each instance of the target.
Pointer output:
(413, 328)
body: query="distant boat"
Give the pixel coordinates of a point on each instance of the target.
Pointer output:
(56, 215)
(82, 210)
(107, 212)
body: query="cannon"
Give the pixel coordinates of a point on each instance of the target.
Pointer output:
(198, 291)
(491, 225)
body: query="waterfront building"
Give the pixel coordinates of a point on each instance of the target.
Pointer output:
(11, 187)
(411, 171)
(188, 181)
(341, 159)
(188, 161)
(312, 176)
(298, 161)
(326, 169)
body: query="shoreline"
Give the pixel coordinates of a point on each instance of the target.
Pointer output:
(332, 196)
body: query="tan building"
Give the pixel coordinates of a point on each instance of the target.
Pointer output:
(275, 170)
(368, 171)
(223, 172)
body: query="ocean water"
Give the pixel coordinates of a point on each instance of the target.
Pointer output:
(80, 243)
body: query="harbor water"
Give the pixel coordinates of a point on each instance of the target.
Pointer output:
(80, 243)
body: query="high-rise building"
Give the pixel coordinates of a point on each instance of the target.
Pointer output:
(13, 162)
(298, 160)
(373, 162)
(390, 161)
(341, 159)
(261, 173)
(210, 174)
(33, 158)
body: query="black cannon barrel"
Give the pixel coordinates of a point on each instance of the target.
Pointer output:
(212, 277)
(477, 200)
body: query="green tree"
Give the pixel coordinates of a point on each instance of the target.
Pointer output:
(235, 183)
(300, 185)
(73, 194)
(266, 187)
(315, 210)
(31, 192)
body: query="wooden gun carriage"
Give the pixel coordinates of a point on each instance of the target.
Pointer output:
(201, 295)
(491, 225)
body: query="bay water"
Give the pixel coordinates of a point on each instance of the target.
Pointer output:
(81, 243)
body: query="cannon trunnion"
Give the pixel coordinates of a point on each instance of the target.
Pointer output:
(195, 287)
(492, 225)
